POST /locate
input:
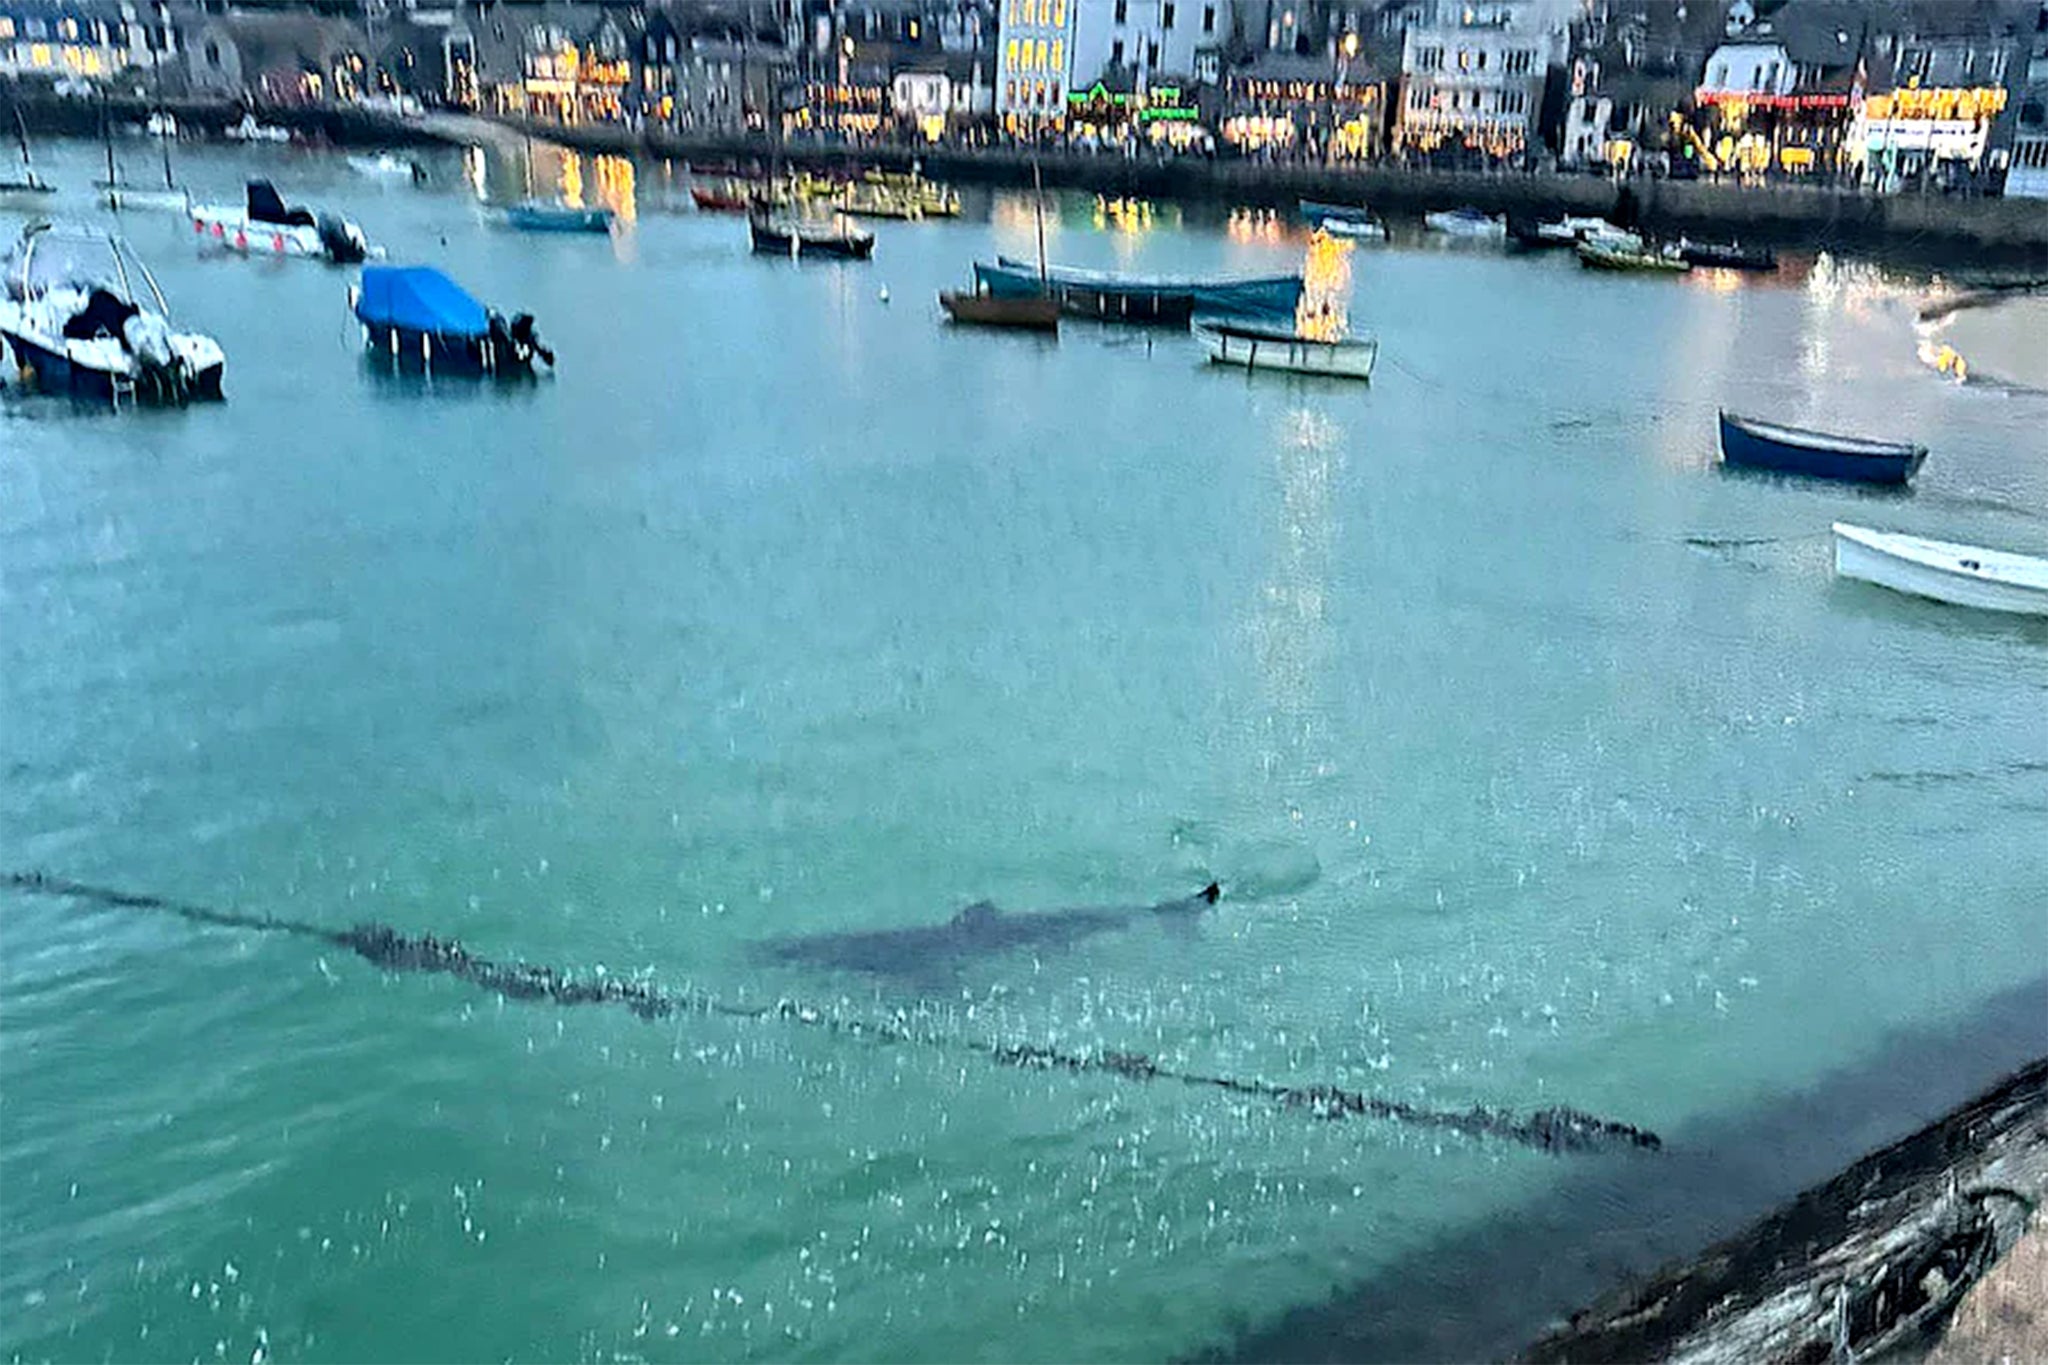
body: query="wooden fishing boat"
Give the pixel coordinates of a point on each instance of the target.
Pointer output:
(1751, 444)
(537, 215)
(1023, 312)
(1726, 256)
(871, 201)
(1963, 575)
(724, 199)
(1116, 297)
(1622, 257)
(772, 236)
(1231, 342)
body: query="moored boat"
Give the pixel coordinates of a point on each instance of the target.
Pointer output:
(1638, 258)
(1752, 444)
(539, 215)
(1467, 222)
(388, 166)
(718, 198)
(773, 236)
(1726, 256)
(84, 317)
(416, 318)
(248, 130)
(1023, 312)
(1963, 575)
(266, 225)
(1231, 342)
(1117, 297)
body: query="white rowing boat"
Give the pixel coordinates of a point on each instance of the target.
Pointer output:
(1257, 348)
(1964, 575)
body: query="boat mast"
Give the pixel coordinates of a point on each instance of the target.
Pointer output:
(107, 137)
(1038, 214)
(21, 133)
(156, 75)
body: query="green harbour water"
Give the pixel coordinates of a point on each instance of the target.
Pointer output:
(1541, 761)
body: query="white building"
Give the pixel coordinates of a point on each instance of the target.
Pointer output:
(1154, 40)
(1476, 78)
(1035, 46)
(1052, 48)
(1750, 68)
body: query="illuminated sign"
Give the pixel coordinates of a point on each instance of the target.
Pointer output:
(1762, 100)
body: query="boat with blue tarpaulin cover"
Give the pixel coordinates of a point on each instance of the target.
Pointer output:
(418, 319)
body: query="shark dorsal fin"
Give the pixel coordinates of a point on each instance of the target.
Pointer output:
(981, 912)
(1211, 893)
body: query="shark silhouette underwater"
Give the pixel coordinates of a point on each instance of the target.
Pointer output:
(924, 952)
(1555, 1129)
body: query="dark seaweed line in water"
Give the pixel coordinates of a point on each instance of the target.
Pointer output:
(1555, 1129)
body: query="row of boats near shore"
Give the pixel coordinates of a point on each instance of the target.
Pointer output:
(1599, 243)
(82, 315)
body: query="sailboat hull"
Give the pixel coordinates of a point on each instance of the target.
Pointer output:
(121, 197)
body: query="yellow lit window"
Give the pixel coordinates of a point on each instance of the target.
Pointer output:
(68, 30)
(1059, 13)
(39, 55)
(1059, 54)
(1010, 56)
(6, 27)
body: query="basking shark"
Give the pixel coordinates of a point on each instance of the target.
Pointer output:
(979, 930)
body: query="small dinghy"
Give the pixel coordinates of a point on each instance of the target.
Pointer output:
(84, 317)
(417, 319)
(1231, 342)
(1727, 255)
(1467, 223)
(540, 216)
(1962, 575)
(385, 166)
(267, 226)
(1751, 444)
(1353, 221)
(1630, 256)
(982, 309)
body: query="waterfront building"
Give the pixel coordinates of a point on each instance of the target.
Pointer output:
(82, 39)
(279, 58)
(941, 93)
(1936, 109)
(1036, 66)
(1473, 76)
(1633, 64)
(1779, 96)
(2026, 174)
(1284, 103)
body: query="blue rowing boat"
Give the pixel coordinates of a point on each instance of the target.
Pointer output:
(536, 216)
(1750, 444)
(1115, 297)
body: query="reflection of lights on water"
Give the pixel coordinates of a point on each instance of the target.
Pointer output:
(1323, 312)
(1254, 225)
(1714, 280)
(615, 185)
(1944, 358)
(1291, 630)
(1127, 215)
(474, 169)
